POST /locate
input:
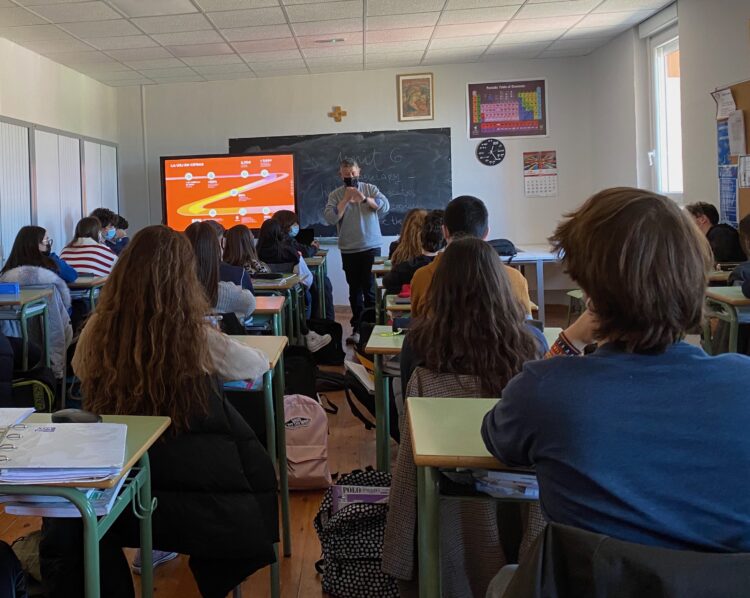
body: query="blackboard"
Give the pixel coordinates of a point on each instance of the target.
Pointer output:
(412, 168)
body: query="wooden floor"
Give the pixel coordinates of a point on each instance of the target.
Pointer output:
(350, 447)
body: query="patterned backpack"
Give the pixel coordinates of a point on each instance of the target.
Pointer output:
(352, 542)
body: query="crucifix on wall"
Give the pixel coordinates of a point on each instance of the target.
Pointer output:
(337, 114)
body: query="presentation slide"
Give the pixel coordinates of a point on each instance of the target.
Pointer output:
(229, 189)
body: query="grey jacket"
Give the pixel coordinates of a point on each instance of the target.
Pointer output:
(359, 228)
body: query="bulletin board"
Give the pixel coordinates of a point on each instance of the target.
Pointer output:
(741, 95)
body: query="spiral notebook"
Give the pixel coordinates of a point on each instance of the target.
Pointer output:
(50, 452)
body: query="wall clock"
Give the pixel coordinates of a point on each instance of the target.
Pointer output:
(490, 152)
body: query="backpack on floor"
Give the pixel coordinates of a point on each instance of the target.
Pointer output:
(34, 388)
(333, 352)
(306, 425)
(352, 542)
(299, 372)
(362, 404)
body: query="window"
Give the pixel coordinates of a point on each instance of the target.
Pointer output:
(666, 157)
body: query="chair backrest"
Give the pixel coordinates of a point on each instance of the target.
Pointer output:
(282, 268)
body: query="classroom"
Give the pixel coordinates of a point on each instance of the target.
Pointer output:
(543, 205)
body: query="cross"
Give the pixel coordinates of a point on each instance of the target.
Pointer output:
(337, 114)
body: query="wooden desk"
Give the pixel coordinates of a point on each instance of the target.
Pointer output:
(273, 395)
(719, 276)
(723, 303)
(317, 265)
(322, 252)
(380, 269)
(391, 305)
(383, 342)
(381, 259)
(29, 303)
(536, 255)
(289, 287)
(136, 492)
(271, 306)
(87, 286)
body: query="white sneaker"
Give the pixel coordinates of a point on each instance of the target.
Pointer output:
(316, 342)
(353, 338)
(159, 557)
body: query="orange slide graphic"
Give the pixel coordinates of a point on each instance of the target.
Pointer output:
(229, 189)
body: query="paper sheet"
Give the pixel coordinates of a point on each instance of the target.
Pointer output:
(724, 103)
(743, 176)
(736, 122)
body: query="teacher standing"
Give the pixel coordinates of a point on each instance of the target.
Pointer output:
(355, 208)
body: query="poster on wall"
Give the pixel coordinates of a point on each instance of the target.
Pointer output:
(722, 142)
(728, 194)
(508, 109)
(540, 174)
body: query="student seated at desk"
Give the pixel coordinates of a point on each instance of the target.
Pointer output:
(409, 235)
(114, 229)
(431, 241)
(229, 272)
(224, 297)
(29, 265)
(724, 239)
(239, 250)
(645, 439)
(85, 253)
(469, 342)
(741, 274)
(214, 482)
(464, 216)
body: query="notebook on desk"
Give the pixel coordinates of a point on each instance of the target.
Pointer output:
(260, 283)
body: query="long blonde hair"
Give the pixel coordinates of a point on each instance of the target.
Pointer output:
(146, 353)
(409, 242)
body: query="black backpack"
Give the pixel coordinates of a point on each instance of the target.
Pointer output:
(34, 388)
(299, 372)
(504, 248)
(333, 352)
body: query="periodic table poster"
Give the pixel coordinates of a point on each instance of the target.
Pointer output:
(508, 109)
(540, 174)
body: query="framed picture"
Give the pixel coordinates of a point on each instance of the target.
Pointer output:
(508, 109)
(415, 100)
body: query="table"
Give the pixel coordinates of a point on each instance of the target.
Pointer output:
(536, 255)
(318, 265)
(445, 433)
(383, 342)
(719, 276)
(273, 395)
(401, 308)
(380, 269)
(87, 286)
(29, 303)
(271, 306)
(143, 431)
(724, 303)
(287, 286)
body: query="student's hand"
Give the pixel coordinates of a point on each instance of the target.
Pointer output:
(119, 233)
(315, 244)
(582, 332)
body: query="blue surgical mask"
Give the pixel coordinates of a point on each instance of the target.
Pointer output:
(110, 234)
(294, 230)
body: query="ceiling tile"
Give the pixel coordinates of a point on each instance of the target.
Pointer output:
(395, 7)
(389, 35)
(271, 56)
(78, 11)
(210, 5)
(404, 46)
(129, 83)
(334, 26)
(284, 73)
(241, 34)
(201, 50)
(172, 23)
(6, 4)
(212, 60)
(182, 79)
(454, 55)
(32, 33)
(84, 57)
(563, 53)
(425, 19)
(221, 69)
(528, 36)
(155, 63)
(515, 51)
(293, 64)
(57, 45)
(333, 60)
(10, 17)
(123, 42)
(631, 5)
(248, 18)
(468, 29)
(612, 19)
(459, 4)
(265, 45)
(139, 8)
(325, 11)
(139, 54)
(549, 24)
(103, 67)
(168, 72)
(101, 28)
(229, 76)
(477, 15)
(578, 44)
(394, 58)
(579, 32)
(181, 38)
(331, 51)
(117, 75)
(461, 42)
(351, 38)
(557, 9)
(335, 68)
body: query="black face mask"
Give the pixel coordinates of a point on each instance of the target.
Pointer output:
(351, 181)
(47, 250)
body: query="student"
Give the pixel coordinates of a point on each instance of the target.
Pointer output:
(741, 274)
(85, 253)
(290, 225)
(356, 208)
(228, 272)
(465, 215)
(275, 248)
(724, 239)
(239, 250)
(630, 441)
(474, 352)
(409, 244)
(431, 241)
(28, 264)
(109, 224)
(215, 485)
(224, 297)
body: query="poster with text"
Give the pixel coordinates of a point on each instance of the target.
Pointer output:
(728, 194)
(508, 109)
(540, 174)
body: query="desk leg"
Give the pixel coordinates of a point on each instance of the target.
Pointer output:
(428, 530)
(45, 327)
(269, 409)
(25, 338)
(146, 510)
(90, 540)
(283, 467)
(276, 322)
(382, 417)
(540, 288)
(733, 328)
(290, 311)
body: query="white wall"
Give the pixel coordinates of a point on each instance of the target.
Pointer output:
(714, 52)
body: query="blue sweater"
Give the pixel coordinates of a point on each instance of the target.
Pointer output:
(64, 270)
(653, 449)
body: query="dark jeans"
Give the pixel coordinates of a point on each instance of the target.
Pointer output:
(359, 277)
(328, 291)
(12, 577)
